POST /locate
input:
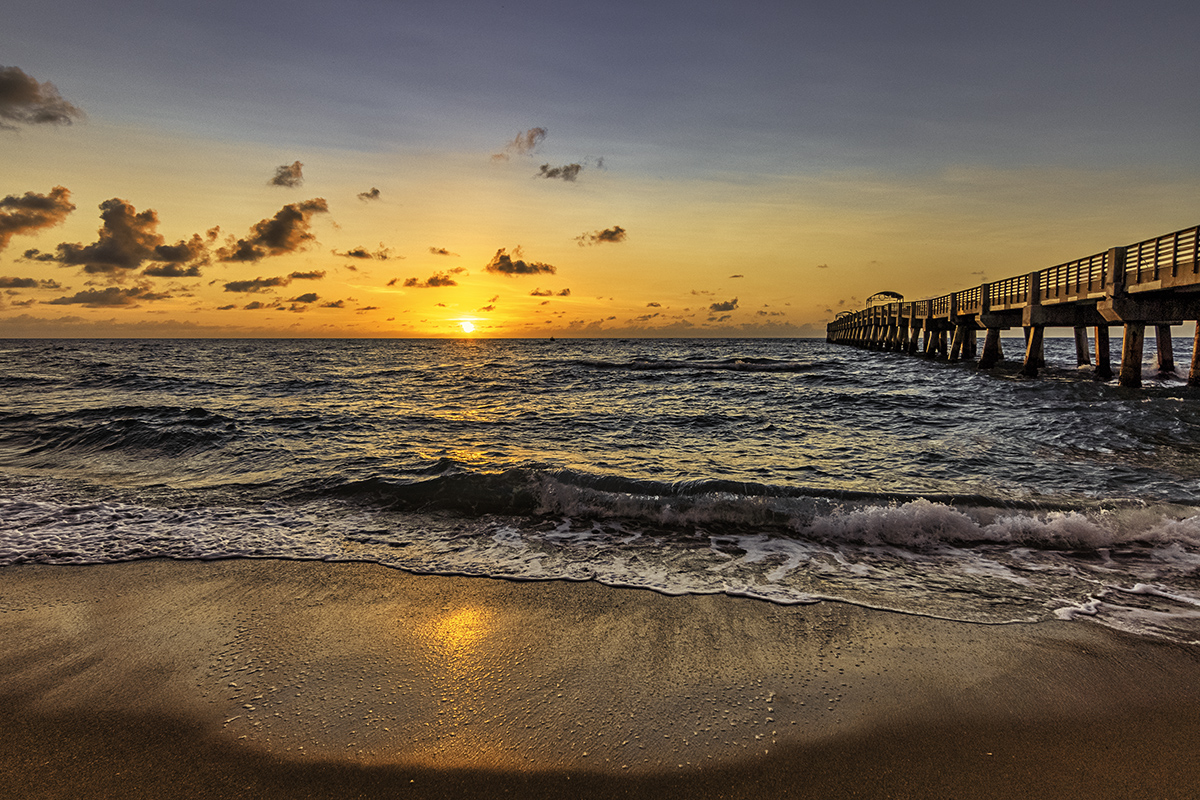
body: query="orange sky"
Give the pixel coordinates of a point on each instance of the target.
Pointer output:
(757, 194)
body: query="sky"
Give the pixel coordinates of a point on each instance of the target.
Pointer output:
(375, 168)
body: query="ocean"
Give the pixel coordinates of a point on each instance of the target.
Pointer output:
(788, 470)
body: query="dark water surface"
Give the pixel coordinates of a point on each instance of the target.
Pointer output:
(790, 470)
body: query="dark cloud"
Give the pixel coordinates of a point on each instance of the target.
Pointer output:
(565, 293)
(367, 308)
(127, 239)
(18, 283)
(315, 275)
(728, 305)
(653, 305)
(567, 172)
(441, 251)
(373, 194)
(512, 265)
(614, 234)
(289, 175)
(286, 232)
(334, 304)
(307, 297)
(257, 284)
(822, 266)
(172, 271)
(25, 101)
(257, 305)
(542, 293)
(722, 318)
(381, 254)
(392, 282)
(488, 308)
(762, 313)
(112, 296)
(524, 144)
(434, 281)
(226, 308)
(31, 212)
(737, 276)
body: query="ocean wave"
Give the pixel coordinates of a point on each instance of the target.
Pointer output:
(675, 365)
(167, 430)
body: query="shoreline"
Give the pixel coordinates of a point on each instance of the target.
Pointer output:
(263, 678)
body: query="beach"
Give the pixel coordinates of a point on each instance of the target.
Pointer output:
(272, 678)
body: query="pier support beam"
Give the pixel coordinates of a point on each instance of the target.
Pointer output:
(1033, 350)
(992, 352)
(1131, 355)
(1081, 346)
(970, 346)
(1166, 354)
(960, 336)
(1103, 361)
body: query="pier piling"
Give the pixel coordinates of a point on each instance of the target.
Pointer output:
(1103, 359)
(1081, 347)
(1131, 355)
(1162, 342)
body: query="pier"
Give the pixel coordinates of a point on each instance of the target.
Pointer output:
(1155, 283)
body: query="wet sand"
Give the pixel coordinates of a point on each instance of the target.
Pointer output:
(291, 680)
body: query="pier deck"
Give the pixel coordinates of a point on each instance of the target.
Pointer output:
(1153, 282)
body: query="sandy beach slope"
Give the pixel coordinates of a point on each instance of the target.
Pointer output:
(287, 679)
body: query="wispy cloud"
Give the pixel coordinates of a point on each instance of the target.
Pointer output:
(728, 305)
(31, 212)
(382, 254)
(373, 194)
(524, 144)
(288, 175)
(434, 281)
(112, 296)
(257, 284)
(567, 172)
(25, 101)
(441, 251)
(609, 235)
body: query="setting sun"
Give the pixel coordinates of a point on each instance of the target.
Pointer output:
(467, 327)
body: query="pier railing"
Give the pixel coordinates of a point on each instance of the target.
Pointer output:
(1170, 261)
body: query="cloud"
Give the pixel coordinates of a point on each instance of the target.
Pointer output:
(524, 144)
(112, 296)
(614, 234)
(434, 281)
(287, 232)
(652, 304)
(315, 275)
(31, 212)
(822, 266)
(334, 304)
(23, 100)
(18, 283)
(512, 265)
(737, 276)
(728, 305)
(289, 175)
(564, 293)
(127, 239)
(172, 271)
(256, 305)
(256, 284)
(542, 293)
(441, 251)
(373, 194)
(567, 172)
(381, 254)
(307, 297)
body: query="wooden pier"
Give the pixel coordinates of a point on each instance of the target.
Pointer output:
(1155, 282)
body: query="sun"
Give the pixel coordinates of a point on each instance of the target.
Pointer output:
(467, 327)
